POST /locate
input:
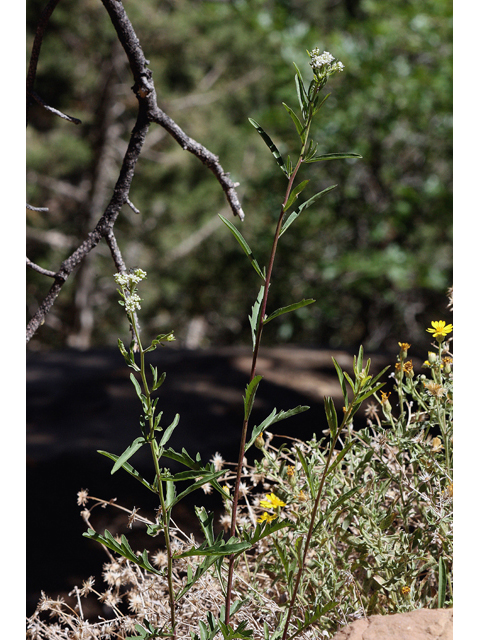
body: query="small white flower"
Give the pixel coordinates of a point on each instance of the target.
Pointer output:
(132, 303)
(323, 63)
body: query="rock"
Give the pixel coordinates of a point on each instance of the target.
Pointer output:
(422, 624)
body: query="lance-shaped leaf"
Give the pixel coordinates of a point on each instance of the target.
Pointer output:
(331, 414)
(220, 548)
(294, 194)
(122, 548)
(340, 501)
(244, 244)
(296, 120)
(301, 93)
(265, 529)
(169, 430)
(333, 156)
(307, 470)
(249, 398)
(206, 476)
(129, 469)
(273, 149)
(291, 307)
(339, 458)
(293, 216)
(272, 418)
(185, 459)
(341, 379)
(128, 453)
(255, 318)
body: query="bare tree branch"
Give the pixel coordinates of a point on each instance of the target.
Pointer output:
(148, 112)
(36, 267)
(29, 206)
(37, 44)
(41, 101)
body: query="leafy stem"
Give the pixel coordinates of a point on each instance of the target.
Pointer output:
(150, 412)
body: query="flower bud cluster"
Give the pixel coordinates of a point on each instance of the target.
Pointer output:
(323, 64)
(128, 282)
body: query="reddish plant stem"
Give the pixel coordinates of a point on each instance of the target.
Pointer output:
(252, 375)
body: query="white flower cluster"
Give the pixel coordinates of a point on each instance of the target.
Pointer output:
(132, 303)
(323, 63)
(126, 280)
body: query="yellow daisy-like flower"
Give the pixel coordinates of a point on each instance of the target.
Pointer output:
(440, 328)
(267, 516)
(405, 591)
(272, 502)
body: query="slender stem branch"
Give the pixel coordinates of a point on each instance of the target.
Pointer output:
(345, 420)
(258, 338)
(153, 448)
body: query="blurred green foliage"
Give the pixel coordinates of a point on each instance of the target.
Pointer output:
(375, 252)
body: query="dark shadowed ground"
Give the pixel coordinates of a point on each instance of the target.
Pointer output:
(78, 402)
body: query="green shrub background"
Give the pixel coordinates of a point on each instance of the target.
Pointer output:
(375, 253)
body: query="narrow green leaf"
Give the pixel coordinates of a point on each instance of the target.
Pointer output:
(339, 457)
(254, 319)
(331, 414)
(296, 120)
(158, 383)
(295, 193)
(122, 549)
(273, 149)
(271, 419)
(306, 469)
(333, 156)
(220, 548)
(169, 430)
(290, 307)
(379, 375)
(136, 384)
(265, 529)
(341, 500)
(244, 244)
(387, 520)
(128, 453)
(250, 392)
(370, 392)
(293, 216)
(341, 379)
(301, 93)
(184, 458)
(129, 469)
(442, 582)
(207, 477)
(350, 381)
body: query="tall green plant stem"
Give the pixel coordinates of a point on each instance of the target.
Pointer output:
(255, 357)
(314, 516)
(153, 449)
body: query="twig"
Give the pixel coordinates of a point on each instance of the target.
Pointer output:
(32, 208)
(44, 272)
(40, 100)
(37, 43)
